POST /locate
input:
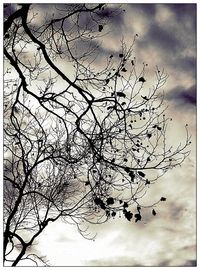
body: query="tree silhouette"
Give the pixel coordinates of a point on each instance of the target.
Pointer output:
(82, 142)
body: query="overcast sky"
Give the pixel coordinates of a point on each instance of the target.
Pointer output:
(166, 38)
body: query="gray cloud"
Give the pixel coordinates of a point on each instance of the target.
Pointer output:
(119, 261)
(161, 39)
(8, 9)
(124, 261)
(167, 263)
(184, 12)
(183, 97)
(115, 13)
(190, 263)
(172, 42)
(147, 9)
(176, 211)
(187, 64)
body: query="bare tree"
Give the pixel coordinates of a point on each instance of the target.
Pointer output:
(81, 142)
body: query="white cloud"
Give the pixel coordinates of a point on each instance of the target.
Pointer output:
(164, 16)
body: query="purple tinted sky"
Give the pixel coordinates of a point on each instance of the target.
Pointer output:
(167, 38)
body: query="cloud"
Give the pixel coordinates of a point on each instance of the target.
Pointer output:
(114, 13)
(183, 97)
(170, 38)
(186, 64)
(8, 9)
(167, 263)
(148, 10)
(184, 11)
(124, 261)
(190, 263)
(161, 39)
(119, 261)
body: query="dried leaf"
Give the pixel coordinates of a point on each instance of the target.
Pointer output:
(110, 201)
(141, 79)
(141, 174)
(100, 28)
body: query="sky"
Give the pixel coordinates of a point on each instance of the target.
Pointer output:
(167, 39)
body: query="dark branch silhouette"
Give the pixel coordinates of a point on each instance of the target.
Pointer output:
(81, 142)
